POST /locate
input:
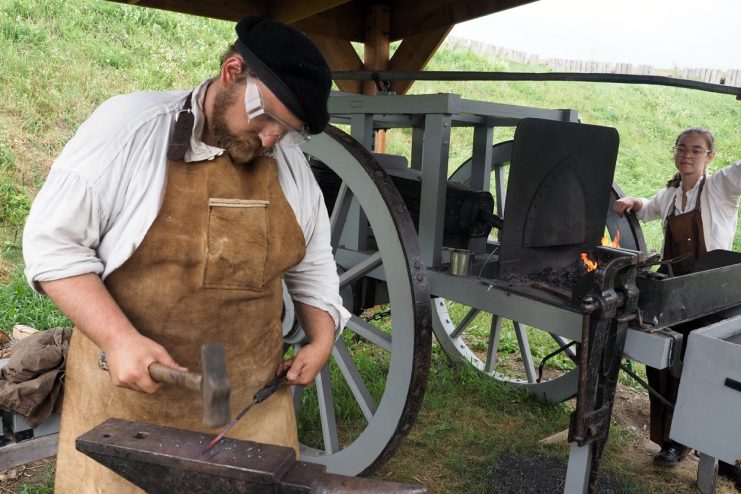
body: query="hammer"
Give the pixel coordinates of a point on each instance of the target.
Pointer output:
(213, 384)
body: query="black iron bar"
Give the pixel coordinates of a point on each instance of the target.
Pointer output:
(261, 395)
(552, 290)
(643, 383)
(385, 75)
(550, 356)
(576, 432)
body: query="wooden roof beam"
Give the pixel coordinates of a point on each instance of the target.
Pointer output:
(410, 18)
(287, 11)
(414, 53)
(291, 11)
(344, 22)
(341, 56)
(377, 45)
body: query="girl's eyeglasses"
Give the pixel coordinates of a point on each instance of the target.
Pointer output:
(694, 152)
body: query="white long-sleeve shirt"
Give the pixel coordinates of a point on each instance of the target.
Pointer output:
(718, 203)
(105, 189)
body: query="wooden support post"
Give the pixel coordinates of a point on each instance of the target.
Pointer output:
(377, 53)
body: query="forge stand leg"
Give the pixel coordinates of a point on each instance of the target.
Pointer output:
(577, 471)
(707, 474)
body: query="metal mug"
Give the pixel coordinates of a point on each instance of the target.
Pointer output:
(460, 262)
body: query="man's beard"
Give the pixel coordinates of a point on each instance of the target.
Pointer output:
(240, 148)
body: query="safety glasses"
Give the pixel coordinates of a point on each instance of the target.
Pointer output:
(265, 122)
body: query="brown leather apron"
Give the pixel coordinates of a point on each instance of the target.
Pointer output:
(209, 268)
(684, 235)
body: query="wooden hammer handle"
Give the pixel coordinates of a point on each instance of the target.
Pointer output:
(163, 374)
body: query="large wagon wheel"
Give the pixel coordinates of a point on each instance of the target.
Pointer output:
(455, 326)
(367, 397)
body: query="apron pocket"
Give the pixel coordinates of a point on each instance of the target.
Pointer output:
(237, 244)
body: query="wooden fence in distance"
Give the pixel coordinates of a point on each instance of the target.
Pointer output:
(730, 77)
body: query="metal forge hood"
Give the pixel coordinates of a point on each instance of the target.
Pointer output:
(558, 194)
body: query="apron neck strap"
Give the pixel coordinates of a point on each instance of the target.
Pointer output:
(699, 193)
(673, 208)
(183, 131)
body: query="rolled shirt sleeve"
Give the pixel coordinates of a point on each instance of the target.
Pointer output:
(724, 186)
(720, 207)
(62, 232)
(102, 192)
(652, 209)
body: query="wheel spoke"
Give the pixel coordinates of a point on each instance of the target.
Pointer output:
(463, 325)
(326, 411)
(527, 356)
(491, 351)
(354, 380)
(562, 342)
(371, 333)
(361, 269)
(339, 214)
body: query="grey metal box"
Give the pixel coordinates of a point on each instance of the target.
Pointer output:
(707, 416)
(20, 429)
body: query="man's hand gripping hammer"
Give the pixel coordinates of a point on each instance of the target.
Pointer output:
(212, 385)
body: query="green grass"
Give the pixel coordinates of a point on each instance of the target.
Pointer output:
(465, 422)
(469, 421)
(43, 485)
(19, 304)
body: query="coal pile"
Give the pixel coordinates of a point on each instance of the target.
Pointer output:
(533, 472)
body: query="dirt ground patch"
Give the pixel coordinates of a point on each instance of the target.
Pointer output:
(4, 272)
(31, 474)
(631, 410)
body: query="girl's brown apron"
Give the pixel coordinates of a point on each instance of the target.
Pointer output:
(684, 236)
(209, 269)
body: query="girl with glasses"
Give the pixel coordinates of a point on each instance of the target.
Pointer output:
(699, 212)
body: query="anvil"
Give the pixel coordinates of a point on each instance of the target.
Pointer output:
(166, 459)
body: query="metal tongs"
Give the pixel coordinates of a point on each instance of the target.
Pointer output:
(259, 397)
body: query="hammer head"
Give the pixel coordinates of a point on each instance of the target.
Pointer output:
(215, 386)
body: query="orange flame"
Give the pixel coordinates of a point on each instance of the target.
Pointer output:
(590, 264)
(615, 242)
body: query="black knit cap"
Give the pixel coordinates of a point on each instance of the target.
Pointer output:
(290, 65)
